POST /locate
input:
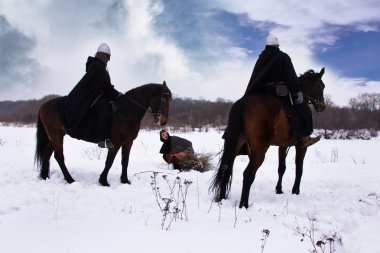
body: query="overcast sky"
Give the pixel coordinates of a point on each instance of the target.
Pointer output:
(202, 48)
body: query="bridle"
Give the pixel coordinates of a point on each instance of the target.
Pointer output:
(316, 102)
(313, 101)
(158, 115)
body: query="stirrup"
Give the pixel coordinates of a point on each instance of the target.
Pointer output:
(308, 141)
(105, 144)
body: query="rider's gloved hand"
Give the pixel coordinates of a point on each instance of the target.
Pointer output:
(297, 98)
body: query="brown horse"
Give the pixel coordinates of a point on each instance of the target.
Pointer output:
(263, 123)
(132, 107)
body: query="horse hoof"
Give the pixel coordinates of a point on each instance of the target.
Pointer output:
(279, 191)
(125, 181)
(43, 177)
(241, 205)
(104, 182)
(297, 192)
(70, 180)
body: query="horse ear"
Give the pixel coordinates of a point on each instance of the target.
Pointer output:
(322, 71)
(164, 84)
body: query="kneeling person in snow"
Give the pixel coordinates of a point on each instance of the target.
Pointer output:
(175, 150)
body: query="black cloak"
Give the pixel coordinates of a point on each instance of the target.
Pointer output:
(273, 65)
(87, 109)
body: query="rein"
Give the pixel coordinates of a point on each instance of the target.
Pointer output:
(140, 105)
(148, 109)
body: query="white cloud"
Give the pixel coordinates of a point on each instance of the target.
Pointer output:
(302, 25)
(66, 32)
(138, 54)
(341, 89)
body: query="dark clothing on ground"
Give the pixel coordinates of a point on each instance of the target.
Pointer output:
(176, 150)
(87, 110)
(175, 144)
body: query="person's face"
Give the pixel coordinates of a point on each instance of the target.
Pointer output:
(164, 135)
(106, 58)
(103, 57)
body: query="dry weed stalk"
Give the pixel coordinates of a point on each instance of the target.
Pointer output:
(173, 204)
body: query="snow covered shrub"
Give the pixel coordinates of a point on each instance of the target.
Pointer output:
(94, 153)
(321, 157)
(327, 242)
(373, 199)
(334, 155)
(363, 134)
(373, 132)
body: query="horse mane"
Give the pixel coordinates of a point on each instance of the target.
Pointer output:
(137, 89)
(308, 73)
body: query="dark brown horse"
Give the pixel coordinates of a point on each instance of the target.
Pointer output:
(132, 107)
(264, 123)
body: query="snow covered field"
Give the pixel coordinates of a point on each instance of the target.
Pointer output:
(339, 196)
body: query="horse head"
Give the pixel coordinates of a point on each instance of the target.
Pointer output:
(312, 88)
(160, 105)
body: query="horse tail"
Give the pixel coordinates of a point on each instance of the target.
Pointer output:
(42, 141)
(221, 182)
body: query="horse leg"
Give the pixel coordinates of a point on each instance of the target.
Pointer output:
(124, 162)
(45, 163)
(248, 178)
(256, 159)
(300, 155)
(109, 161)
(281, 168)
(59, 157)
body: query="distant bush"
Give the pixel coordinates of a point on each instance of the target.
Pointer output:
(364, 134)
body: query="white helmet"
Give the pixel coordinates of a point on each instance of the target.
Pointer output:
(272, 40)
(104, 48)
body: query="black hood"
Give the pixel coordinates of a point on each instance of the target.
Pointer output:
(268, 53)
(161, 136)
(91, 61)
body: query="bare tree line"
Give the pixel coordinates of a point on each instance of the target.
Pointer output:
(363, 111)
(22, 111)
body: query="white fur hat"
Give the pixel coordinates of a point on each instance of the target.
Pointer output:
(272, 40)
(104, 48)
